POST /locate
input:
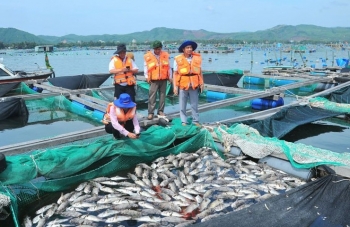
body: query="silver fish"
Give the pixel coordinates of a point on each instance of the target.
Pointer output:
(171, 213)
(190, 208)
(164, 196)
(99, 179)
(95, 191)
(80, 221)
(107, 213)
(121, 201)
(132, 177)
(125, 206)
(148, 219)
(138, 171)
(98, 207)
(62, 206)
(144, 166)
(175, 163)
(83, 204)
(205, 213)
(44, 208)
(132, 213)
(75, 195)
(169, 206)
(151, 211)
(204, 204)
(92, 218)
(51, 211)
(81, 186)
(117, 219)
(73, 214)
(27, 222)
(173, 219)
(41, 222)
(109, 182)
(87, 188)
(107, 189)
(146, 205)
(118, 178)
(64, 197)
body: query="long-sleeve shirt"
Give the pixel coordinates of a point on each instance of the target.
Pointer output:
(119, 127)
(145, 69)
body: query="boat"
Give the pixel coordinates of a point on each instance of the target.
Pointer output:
(228, 78)
(9, 76)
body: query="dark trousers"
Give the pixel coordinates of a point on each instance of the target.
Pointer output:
(111, 130)
(130, 90)
(155, 86)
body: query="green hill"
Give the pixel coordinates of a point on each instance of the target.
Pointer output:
(280, 33)
(12, 35)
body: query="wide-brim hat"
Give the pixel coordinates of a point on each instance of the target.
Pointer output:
(120, 48)
(187, 43)
(124, 101)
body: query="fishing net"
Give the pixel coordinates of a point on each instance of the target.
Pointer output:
(42, 171)
(253, 144)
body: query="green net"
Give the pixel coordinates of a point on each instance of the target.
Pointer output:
(326, 104)
(30, 176)
(253, 144)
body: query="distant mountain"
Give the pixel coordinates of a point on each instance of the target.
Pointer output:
(280, 33)
(12, 35)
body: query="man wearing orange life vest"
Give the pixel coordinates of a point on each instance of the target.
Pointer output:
(123, 68)
(188, 80)
(120, 118)
(157, 72)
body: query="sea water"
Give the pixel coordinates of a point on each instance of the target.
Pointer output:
(326, 134)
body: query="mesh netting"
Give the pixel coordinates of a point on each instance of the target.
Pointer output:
(253, 144)
(287, 119)
(30, 176)
(324, 103)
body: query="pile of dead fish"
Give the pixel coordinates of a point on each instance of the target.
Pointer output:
(176, 190)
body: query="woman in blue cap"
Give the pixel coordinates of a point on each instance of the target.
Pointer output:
(120, 118)
(188, 80)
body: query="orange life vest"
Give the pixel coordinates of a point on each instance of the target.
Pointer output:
(127, 77)
(157, 70)
(188, 74)
(122, 117)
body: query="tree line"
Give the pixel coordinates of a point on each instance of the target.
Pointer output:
(31, 45)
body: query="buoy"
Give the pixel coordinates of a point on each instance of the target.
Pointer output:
(287, 167)
(216, 95)
(324, 86)
(81, 106)
(253, 80)
(264, 104)
(98, 114)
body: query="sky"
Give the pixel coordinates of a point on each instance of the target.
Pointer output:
(98, 17)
